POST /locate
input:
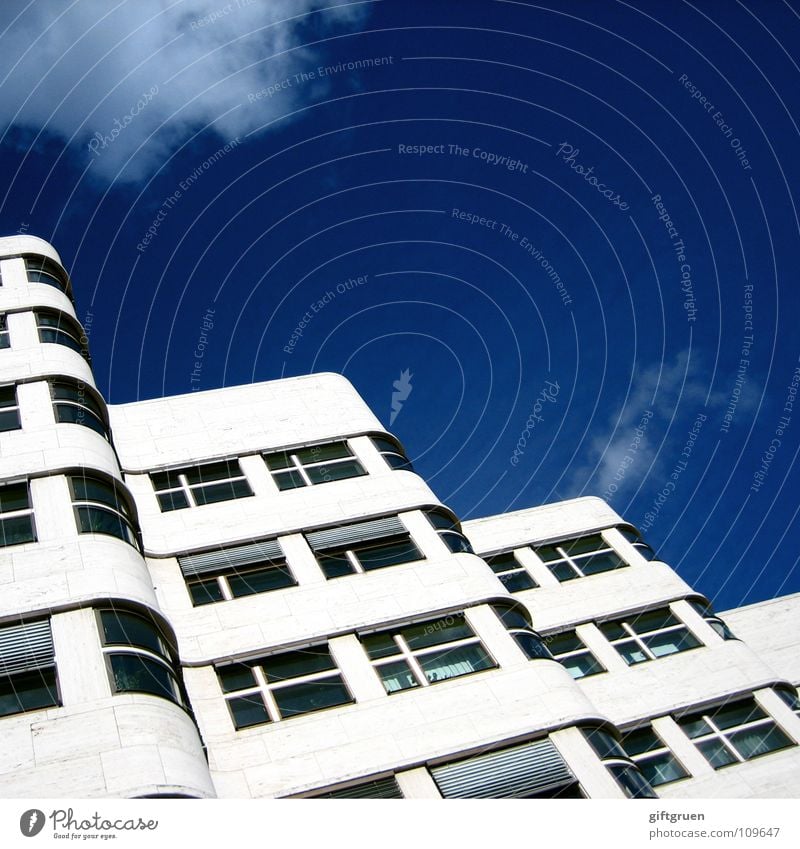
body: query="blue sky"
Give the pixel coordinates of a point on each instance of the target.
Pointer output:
(574, 224)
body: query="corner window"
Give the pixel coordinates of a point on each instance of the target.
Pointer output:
(314, 464)
(617, 762)
(9, 409)
(282, 686)
(569, 650)
(579, 558)
(653, 757)
(42, 270)
(517, 624)
(705, 609)
(5, 340)
(648, 636)
(100, 509)
(790, 697)
(391, 451)
(235, 572)
(16, 515)
(195, 486)
(450, 531)
(27, 668)
(73, 404)
(734, 732)
(139, 657)
(426, 653)
(60, 329)
(635, 539)
(513, 576)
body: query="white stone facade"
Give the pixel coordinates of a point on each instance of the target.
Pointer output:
(155, 509)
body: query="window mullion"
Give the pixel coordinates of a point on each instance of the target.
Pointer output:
(266, 694)
(354, 561)
(411, 660)
(225, 587)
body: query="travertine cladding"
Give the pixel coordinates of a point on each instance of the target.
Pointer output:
(772, 628)
(183, 429)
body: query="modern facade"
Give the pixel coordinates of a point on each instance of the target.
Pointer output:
(249, 593)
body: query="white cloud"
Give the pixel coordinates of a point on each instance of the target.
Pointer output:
(140, 76)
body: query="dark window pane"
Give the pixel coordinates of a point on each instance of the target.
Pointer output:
(17, 530)
(584, 545)
(517, 581)
(671, 642)
(289, 480)
(661, 769)
(91, 489)
(604, 743)
(613, 630)
(531, 645)
(562, 643)
(335, 565)
(28, 691)
(652, 620)
(134, 673)
(61, 337)
(444, 630)
(737, 713)
(335, 471)
(165, 480)
(9, 420)
(213, 472)
(388, 554)
(279, 460)
(320, 453)
(248, 710)
(236, 676)
(641, 740)
(128, 629)
(313, 695)
(398, 462)
(97, 520)
(716, 753)
(721, 628)
(205, 592)
(631, 653)
(379, 645)
(14, 497)
(548, 553)
(790, 697)
(582, 665)
(644, 549)
(293, 664)
(597, 563)
(259, 581)
(70, 392)
(451, 663)
(441, 520)
(221, 492)
(456, 542)
(632, 782)
(70, 414)
(503, 562)
(758, 741)
(8, 396)
(694, 725)
(385, 444)
(511, 617)
(563, 571)
(396, 676)
(175, 500)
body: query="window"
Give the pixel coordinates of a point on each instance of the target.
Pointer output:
(5, 340)
(635, 539)
(235, 572)
(705, 609)
(733, 733)
(281, 686)
(517, 624)
(650, 635)
(392, 453)
(579, 558)
(59, 329)
(569, 650)
(790, 697)
(72, 404)
(16, 515)
(140, 658)
(100, 509)
(330, 461)
(197, 485)
(27, 668)
(654, 759)
(513, 576)
(42, 270)
(9, 409)
(381, 788)
(426, 653)
(450, 531)
(619, 764)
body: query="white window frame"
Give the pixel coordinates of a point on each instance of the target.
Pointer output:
(516, 569)
(573, 561)
(25, 511)
(632, 635)
(187, 489)
(297, 465)
(11, 408)
(580, 652)
(663, 749)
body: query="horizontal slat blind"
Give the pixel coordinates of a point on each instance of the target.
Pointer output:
(383, 788)
(26, 648)
(509, 773)
(230, 558)
(351, 534)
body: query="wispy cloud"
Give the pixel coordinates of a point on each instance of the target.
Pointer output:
(140, 76)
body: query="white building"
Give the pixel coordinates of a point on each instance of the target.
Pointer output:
(247, 592)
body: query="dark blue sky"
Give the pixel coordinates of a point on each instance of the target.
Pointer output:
(575, 224)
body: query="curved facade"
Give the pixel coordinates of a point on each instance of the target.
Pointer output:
(259, 572)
